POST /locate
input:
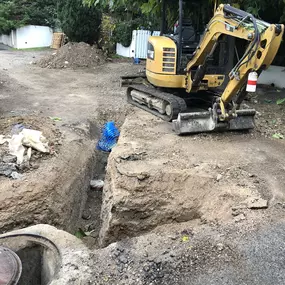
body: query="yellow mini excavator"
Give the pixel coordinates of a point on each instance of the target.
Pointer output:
(177, 71)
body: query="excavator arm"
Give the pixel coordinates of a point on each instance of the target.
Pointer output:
(264, 41)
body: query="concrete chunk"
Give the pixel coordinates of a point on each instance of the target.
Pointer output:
(257, 203)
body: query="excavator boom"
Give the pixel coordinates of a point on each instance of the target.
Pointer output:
(264, 41)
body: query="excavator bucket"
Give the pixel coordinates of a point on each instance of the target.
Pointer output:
(198, 122)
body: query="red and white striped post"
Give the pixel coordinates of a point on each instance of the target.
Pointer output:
(252, 82)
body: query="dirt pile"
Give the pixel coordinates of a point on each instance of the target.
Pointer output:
(74, 55)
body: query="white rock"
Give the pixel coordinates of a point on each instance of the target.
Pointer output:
(239, 218)
(17, 176)
(97, 184)
(220, 246)
(257, 203)
(219, 177)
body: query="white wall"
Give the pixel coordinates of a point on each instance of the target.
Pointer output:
(275, 75)
(141, 43)
(34, 36)
(28, 37)
(127, 51)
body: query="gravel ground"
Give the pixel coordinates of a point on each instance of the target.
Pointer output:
(240, 254)
(73, 95)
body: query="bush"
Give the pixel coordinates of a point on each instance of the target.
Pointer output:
(106, 41)
(17, 13)
(80, 23)
(123, 31)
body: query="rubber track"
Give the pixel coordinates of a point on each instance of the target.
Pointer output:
(178, 104)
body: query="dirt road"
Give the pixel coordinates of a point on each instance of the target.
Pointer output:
(72, 95)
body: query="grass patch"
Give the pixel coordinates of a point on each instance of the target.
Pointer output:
(116, 56)
(32, 49)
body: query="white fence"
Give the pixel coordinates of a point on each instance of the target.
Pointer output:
(138, 47)
(28, 37)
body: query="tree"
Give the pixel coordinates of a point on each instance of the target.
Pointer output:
(271, 11)
(127, 15)
(7, 18)
(274, 9)
(17, 13)
(40, 12)
(131, 15)
(79, 22)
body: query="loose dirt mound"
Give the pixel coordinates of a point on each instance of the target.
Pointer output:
(74, 55)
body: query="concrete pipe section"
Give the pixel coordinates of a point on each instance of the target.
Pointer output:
(10, 267)
(28, 259)
(43, 255)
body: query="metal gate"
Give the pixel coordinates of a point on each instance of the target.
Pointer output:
(142, 37)
(138, 47)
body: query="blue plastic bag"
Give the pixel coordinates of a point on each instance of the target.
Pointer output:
(109, 137)
(17, 128)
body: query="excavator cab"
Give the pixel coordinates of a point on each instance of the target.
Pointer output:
(169, 54)
(190, 39)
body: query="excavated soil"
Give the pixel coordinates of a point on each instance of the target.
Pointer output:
(155, 177)
(74, 55)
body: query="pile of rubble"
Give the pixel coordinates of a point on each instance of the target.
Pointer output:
(74, 55)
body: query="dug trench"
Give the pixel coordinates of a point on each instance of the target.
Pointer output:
(55, 188)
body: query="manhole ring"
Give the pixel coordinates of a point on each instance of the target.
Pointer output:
(10, 267)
